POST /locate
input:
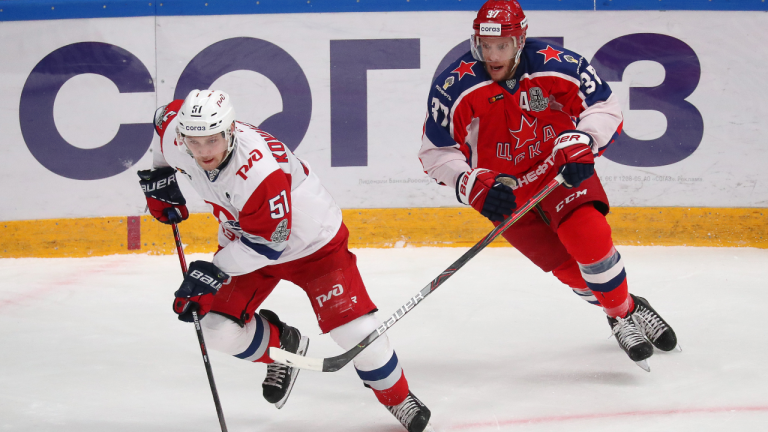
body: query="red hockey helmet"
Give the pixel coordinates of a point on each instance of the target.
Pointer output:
(496, 21)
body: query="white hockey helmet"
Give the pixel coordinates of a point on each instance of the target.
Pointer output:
(204, 113)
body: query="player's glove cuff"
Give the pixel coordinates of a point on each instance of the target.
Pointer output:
(465, 183)
(572, 138)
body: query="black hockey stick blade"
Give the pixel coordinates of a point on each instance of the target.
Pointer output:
(332, 364)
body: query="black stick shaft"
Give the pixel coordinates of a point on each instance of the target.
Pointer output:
(203, 349)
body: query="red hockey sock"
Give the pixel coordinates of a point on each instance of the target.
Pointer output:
(274, 341)
(395, 394)
(569, 274)
(587, 236)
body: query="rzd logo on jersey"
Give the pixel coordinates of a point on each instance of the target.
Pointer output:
(255, 157)
(335, 292)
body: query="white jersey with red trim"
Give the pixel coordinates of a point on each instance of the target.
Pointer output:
(271, 207)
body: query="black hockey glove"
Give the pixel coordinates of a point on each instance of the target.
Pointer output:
(201, 283)
(164, 198)
(488, 192)
(573, 157)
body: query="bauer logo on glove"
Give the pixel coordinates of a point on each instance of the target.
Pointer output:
(164, 198)
(201, 283)
(206, 279)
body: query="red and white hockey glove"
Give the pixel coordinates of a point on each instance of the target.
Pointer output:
(202, 281)
(164, 198)
(487, 192)
(573, 156)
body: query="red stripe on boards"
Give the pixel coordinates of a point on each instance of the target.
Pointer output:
(134, 232)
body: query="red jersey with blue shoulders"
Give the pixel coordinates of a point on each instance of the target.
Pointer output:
(510, 126)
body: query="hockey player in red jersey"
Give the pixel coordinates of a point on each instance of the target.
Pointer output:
(528, 109)
(277, 222)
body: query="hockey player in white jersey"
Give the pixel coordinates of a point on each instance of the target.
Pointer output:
(276, 222)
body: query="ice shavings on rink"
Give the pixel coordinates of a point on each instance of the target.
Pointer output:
(92, 345)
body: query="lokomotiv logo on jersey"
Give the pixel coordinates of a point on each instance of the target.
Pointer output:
(255, 157)
(337, 291)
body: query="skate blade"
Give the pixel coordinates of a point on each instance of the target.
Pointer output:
(644, 365)
(678, 348)
(429, 428)
(302, 351)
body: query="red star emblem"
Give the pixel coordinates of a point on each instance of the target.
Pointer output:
(527, 132)
(464, 69)
(550, 54)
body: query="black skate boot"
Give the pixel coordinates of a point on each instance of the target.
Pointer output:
(412, 414)
(631, 340)
(653, 326)
(280, 378)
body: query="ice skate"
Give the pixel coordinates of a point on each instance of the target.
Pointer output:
(653, 326)
(631, 340)
(280, 378)
(412, 414)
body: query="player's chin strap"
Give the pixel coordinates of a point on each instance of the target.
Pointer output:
(332, 364)
(203, 349)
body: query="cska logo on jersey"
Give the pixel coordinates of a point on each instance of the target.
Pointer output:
(464, 69)
(527, 132)
(550, 54)
(525, 136)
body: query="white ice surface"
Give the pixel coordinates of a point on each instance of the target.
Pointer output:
(91, 345)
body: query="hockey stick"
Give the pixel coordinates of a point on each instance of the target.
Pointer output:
(200, 339)
(332, 364)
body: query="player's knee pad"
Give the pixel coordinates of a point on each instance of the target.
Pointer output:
(250, 342)
(348, 335)
(377, 366)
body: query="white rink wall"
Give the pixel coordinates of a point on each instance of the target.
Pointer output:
(348, 92)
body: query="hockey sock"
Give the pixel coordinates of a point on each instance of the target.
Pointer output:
(587, 236)
(273, 341)
(387, 382)
(569, 273)
(377, 365)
